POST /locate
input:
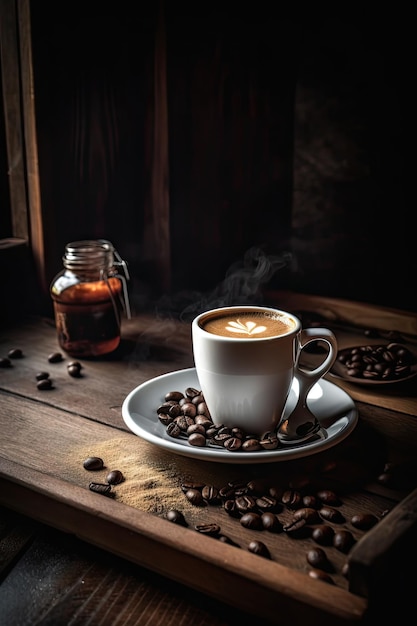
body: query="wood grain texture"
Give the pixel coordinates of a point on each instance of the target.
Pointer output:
(46, 436)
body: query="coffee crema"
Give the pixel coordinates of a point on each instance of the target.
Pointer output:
(248, 325)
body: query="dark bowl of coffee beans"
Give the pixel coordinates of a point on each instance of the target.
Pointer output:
(375, 364)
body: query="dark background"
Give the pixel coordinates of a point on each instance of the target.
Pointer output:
(287, 143)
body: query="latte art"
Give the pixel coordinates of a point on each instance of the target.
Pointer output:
(248, 324)
(249, 328)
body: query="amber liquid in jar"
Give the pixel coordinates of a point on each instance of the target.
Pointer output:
(87, 301)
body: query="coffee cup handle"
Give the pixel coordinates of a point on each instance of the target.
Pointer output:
(301, 424)
(306, 337)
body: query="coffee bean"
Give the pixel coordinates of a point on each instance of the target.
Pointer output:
(251, 445)
(231, 508)
(245, 503)
(42, 375)
(267, 503)
(291, 498)
(319, 574)
(15, 353)
(208, 529)
(329, 497)
(269, 441)
(194, 496)
(4, 362)
(174, 395)
(297, 528)
(257, 547)
(271, 522)
(115, 477)
(176, 517)
(364, 521)
(252, 520)
(317, 558)
(311, 502)
(185, 486)
(93, 463)
(225, 539)
(233, 444)
(343, 540)
(331, 515)
(173, 430)
(323, 534)
(309, 515)
(55, 357)
(210, 494)
(191, 393)
(74, 369)
(44, 384)
(197, 439)
(102, 488)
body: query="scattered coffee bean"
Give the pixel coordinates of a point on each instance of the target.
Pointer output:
(364, 521)
(74, 369)
(331, 515)
(44, 384)
(329, 497)
(93, 463)
(55, 357)
(42, 375)
(271, 522)
(211, 494)
(208, 529)
(115, 477)
(311, 502)
(319, 574)
(317, 558)
(323, 534)
(310, 516)
(343, 540)
(176, 517)
(257, 547)
(102, 488)
(194, 496)
(292, 498)
(185, 486)
(225, 539)
(4, 362)
(15, 353)
(252, 520)
(297, 528)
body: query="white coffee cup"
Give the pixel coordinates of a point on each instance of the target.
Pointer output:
(246, 358)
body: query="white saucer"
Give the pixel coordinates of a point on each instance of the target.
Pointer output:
(333, 407)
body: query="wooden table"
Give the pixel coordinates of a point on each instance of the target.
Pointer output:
(69, 555)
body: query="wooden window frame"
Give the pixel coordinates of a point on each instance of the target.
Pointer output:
(21, 141)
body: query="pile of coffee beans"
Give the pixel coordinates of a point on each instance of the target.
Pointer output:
(377, 362)
(186, 415)
(299, 513)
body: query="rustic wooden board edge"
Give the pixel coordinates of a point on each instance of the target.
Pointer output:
(229, 574)
(392, 540)
(361, 314)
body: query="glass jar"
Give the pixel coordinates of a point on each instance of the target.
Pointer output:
(89, 296)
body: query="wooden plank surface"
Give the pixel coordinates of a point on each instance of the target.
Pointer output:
(46, 436)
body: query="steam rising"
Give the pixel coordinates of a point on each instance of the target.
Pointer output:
(241, 285)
